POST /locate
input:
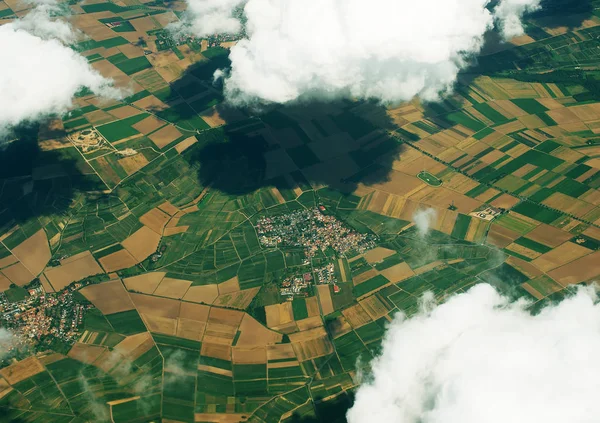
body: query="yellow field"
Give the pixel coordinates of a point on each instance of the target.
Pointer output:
(109, 297)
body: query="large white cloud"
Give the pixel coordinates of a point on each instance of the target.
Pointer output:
(41, 73)
(481, 358)
(210, 17)
(389, 50)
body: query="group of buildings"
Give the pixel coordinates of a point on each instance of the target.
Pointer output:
(315, 232)
(42, 319)
(311, 230)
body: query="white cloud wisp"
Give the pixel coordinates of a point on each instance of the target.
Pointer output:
(389, 50)
(423, 219)
(481, 358)
(42, 73)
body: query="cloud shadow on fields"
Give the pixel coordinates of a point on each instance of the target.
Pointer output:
(567, 13)
(36, 183)
(314, 144)
(336, 143)
(332, 411)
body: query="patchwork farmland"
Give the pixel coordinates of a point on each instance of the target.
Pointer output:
(146, 214)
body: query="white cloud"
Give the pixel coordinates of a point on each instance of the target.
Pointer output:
(509, 13)
(423, 219)
(210, 17)
(43, 72)
(390, 50)
(39, 22)
(481, 358)
(8, 341)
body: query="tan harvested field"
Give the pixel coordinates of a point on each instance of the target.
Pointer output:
(142, 243)
(459, 182)
(222, 325)
(49, 358)
(132, 164)
(4, 283)
(220, 417)
(109, 70)
(22, 370)
(144, 24)
(121, 259)
(374, 307)
(7, 261)
(549, 235)
(197, 312)
(185, 144)
(309, 323)
(165, 136)
(85, 352)
(325, 299)
(279, 315)
(5, 388)
(206, 294)
(358, 279)
(109, 297)
(568, 204)
(239, 300)
(315, 344)
(378, 254)
(148, 125)
(563, 116)
(356, 316)
(34, 252)
(501, 236)
(73, 269)
(231, 285)
(18, 274)
(156, 306)
(340, 327)
(524, 267)
(98, 117)
(160, 324)
(280, 352)
(255, 334)
(172, 288)
(192, 321)
(399, 183)
(536, 294)
(168, 208)
(134, 346)
(523, 251)
(252, 355)
(216, 351)
(580, 270)
(131, 51)
(215, 370)
(191, 329)
(477, 229)
(145, 283)
(397, 273)
(283, 364)
(312, 306)
(559, 256)
(505, 201)
(125, 112)
(151, 103)
(212, 118)
(442, 197)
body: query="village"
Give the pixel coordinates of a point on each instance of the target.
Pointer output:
(42, 319)
(312, 230)
(315, 232)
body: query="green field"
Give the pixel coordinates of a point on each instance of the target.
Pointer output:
(429, 179)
